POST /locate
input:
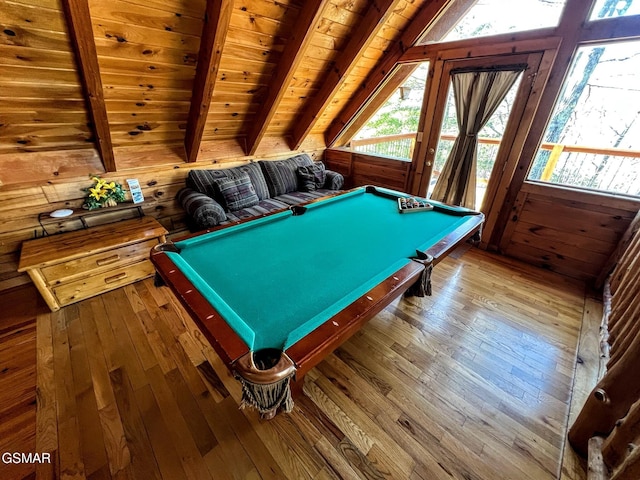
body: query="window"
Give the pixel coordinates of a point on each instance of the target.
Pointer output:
(483, 18)
(593, 138)
(391, 131)
(614, 8)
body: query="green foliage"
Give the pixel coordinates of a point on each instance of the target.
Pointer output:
(400, 118)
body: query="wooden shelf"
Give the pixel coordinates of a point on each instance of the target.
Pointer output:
(45, 219)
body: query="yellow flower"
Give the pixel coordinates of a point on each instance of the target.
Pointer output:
(97, 193)
(109, 186)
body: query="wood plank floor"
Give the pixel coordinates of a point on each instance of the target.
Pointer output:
(19, 309)
(471, 383)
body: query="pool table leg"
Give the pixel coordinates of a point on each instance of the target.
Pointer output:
(296, 387)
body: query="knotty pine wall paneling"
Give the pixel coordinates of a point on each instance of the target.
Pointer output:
(147, 52)
(258, 32)
(568, 231)
(42, 107)
(382, 42)
(341, 161)
(362, 169)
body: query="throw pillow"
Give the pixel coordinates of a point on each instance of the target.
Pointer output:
(312, 177)
(281, 176)
(238, 193)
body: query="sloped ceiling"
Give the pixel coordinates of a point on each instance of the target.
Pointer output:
(123, 83)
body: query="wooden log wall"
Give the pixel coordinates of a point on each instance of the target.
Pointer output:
(20, 206)
(569, 231)
(612, 411)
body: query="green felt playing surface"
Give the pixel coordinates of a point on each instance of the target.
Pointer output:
(277, 278)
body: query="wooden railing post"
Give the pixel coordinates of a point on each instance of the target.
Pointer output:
(552, 161)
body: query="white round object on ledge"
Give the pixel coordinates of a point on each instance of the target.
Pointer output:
(64, 212)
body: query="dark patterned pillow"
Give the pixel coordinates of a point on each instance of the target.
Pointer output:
(237, 192)
(312, 177)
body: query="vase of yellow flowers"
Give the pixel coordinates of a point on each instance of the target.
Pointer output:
(103, 194)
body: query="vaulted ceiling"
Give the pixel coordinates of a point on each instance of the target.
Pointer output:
(127, 83)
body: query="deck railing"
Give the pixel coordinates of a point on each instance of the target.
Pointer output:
(397, 146)
(609, 169)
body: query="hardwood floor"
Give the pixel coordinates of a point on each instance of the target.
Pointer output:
(471, 383)
(19, 309)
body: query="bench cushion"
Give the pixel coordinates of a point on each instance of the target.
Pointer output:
(268, 205)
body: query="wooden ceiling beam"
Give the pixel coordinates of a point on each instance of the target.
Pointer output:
(306, 23)
(423, 20)
(78, 18)
(373, 20)
(214, 31)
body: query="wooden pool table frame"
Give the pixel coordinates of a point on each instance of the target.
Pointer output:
(314, 347)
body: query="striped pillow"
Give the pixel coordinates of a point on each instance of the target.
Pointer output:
(202, 209)
(237, 192)
(281, 174)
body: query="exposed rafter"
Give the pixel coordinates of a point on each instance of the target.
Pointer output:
(373, 20)
(439, 29)
(309, 17)
(214, 31)
(78, 17)
(414, 31)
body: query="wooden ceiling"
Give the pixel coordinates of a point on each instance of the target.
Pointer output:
(126, 83)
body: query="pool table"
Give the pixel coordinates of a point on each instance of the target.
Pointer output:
(276, 294)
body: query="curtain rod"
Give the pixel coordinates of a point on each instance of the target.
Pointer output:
(499, 68)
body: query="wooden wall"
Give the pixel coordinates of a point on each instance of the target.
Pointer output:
(20, 206)
(569, 231)
(42, 106)
(67, 110)
(363, 169)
